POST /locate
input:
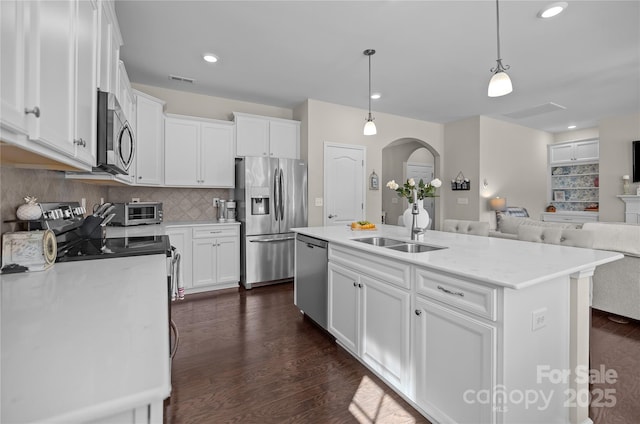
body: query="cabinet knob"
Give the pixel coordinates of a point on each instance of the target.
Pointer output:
(139, 177)
(355, 284)
(35, 111)
(418, 312)
(360, 285)
(80, 142)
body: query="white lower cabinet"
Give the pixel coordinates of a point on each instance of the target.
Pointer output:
(146, 414)
(371, 319)
(455, 363)
(210, 256)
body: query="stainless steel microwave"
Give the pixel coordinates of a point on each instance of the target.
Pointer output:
(116, 141)
(137, 213)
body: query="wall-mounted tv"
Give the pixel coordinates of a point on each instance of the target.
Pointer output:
(635, 151)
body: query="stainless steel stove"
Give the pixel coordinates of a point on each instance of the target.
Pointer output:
(79, 238)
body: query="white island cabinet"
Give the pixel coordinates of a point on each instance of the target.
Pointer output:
(471, 333)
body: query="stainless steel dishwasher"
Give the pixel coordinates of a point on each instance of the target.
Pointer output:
(310, 282)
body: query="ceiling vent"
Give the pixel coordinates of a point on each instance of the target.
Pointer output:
(181, 79)
(535, 110)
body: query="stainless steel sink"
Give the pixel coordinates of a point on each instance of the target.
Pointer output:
(414, 248)
(380, 241)
(400, 245)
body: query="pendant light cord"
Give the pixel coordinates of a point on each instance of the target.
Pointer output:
(498, 27)
(369, 86)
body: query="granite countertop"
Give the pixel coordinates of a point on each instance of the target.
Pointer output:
(84, 340)
(507, 263)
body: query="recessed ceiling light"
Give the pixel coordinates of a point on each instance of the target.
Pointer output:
(572, 127)
(552, 10)
(376, 96)
(210, 58)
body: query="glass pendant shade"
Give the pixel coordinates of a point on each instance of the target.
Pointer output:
(370, 127)
(499, 85)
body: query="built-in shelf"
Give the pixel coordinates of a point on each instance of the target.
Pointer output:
(575, 187)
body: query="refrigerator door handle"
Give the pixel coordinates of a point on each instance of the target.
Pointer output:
(281, 197)
(276, 198)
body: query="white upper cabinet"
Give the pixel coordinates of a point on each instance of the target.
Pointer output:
(198, 153)
(263, 136)
(49, 78)
(149, 129)
(579, 151)
(109, 42)
(85, 82)
(12, 71)
(50, 74)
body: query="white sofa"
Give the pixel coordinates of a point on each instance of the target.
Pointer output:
(616, 285)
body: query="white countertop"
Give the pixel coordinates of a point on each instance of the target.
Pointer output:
(158, 229)
(507, 263)
(84, 340)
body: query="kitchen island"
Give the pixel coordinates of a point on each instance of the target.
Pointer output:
(484, 330)
(86, 341)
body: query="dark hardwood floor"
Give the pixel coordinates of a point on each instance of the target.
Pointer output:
(615, 347)
(251, 357)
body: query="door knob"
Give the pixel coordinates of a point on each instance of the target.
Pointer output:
(35, 111)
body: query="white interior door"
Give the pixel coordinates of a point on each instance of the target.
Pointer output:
(343, 184)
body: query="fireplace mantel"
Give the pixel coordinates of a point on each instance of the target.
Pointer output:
(632, 208)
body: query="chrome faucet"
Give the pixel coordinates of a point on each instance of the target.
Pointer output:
(416, 231)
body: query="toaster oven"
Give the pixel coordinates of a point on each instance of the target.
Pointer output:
(127, 214)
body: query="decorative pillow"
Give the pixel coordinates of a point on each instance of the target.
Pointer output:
(539, 234)
(509, 224)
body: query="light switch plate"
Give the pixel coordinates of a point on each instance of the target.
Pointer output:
(463, 200)
(538, 319)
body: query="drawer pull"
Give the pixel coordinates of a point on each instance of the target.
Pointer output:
(214, 232)
(461, 294)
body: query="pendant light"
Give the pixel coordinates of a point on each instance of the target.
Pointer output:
(370, 126)
(500, 83)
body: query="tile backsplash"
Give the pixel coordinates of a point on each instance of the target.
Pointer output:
(179, 204)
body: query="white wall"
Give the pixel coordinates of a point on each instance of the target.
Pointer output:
(576, 135)
(462, 154)
(513, 160)
(192, 104)
(342, 124)
(616, 135)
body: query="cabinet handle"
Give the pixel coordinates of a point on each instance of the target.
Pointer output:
(360, 285)
(139, 177)
(35, 111)
(215, 232)
(332, 216)
(418, 312)
(355, 284)
(80, 142)
(461, 294)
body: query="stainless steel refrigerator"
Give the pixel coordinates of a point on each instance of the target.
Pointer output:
(271, 197)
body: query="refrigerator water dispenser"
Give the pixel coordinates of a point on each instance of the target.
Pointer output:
(259, 206)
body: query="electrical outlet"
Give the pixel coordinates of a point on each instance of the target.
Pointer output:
(216, 201)
(463, 200)
(318, 201)
(394, 200)
(538, 319)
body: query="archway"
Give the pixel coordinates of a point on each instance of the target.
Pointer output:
(395, 157)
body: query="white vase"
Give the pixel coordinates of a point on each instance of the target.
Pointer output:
(423, 217)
